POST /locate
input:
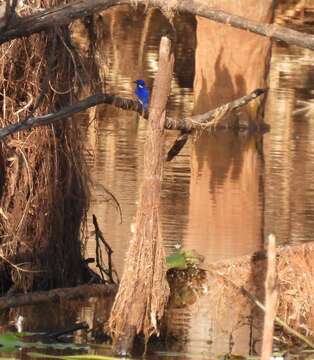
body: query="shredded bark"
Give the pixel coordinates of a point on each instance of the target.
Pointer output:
(144, 290)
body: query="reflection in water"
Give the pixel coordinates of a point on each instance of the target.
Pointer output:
(226, 187)
(289, 154)
(221, 190)
(117, 142)
(225, 214)
(221, 194)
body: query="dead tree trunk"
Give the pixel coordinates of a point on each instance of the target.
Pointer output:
(65, 14)
(144, 290)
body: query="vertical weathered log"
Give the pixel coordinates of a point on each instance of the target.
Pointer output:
(143, 291)
(271, 299)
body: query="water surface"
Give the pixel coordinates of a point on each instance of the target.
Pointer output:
(222, 195)
(225, 192)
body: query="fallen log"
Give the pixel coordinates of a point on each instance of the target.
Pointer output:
(65, 14)
(58, 295)
(186, 124)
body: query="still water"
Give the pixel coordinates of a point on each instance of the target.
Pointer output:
(222, 195)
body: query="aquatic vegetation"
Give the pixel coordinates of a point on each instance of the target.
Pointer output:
(11, 342)
(184, 259)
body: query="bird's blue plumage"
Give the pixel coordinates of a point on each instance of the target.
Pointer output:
(142, 93)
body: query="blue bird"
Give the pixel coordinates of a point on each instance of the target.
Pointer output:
(142, 93)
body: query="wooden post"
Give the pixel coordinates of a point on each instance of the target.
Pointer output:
(143, 291)
(271, 297)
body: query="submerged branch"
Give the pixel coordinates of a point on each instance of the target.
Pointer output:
(65, 14)
(58, 295)
(187, 124)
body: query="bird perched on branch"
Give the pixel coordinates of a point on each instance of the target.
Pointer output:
(142, 93)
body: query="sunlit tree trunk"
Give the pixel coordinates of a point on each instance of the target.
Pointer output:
(230, 62)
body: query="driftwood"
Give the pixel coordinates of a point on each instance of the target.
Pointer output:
(65, 14)
(185, 124)
(143, 292)
(58, 295)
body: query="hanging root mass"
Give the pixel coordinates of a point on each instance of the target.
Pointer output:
(43, 182)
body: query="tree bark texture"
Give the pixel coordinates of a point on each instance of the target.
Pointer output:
(65, 14)
(144, 290)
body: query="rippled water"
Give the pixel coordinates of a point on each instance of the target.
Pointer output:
(221, 196)
(225, 192)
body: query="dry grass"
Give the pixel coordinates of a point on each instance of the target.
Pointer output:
(216, 296)
(295, 285)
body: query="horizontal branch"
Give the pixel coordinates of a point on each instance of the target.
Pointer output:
(65, 14)
(186, 124)
(68, 111)
(58, 295)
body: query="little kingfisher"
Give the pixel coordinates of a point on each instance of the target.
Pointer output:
(142, 93)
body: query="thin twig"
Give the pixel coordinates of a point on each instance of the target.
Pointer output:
(99, 260)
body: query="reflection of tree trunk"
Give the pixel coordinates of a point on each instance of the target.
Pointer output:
(230, 62)
(224, 221)
(144, 35)
(225, 204)
(225, 217)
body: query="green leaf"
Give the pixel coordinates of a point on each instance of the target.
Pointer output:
(176, 261)
(9, 342)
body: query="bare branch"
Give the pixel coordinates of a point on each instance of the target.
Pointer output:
(196, 121)
(65, 14)
(185, 124)
(70, 110)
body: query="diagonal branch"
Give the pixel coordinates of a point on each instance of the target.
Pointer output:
(65, 14)
(202, 120)
(185, 124)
